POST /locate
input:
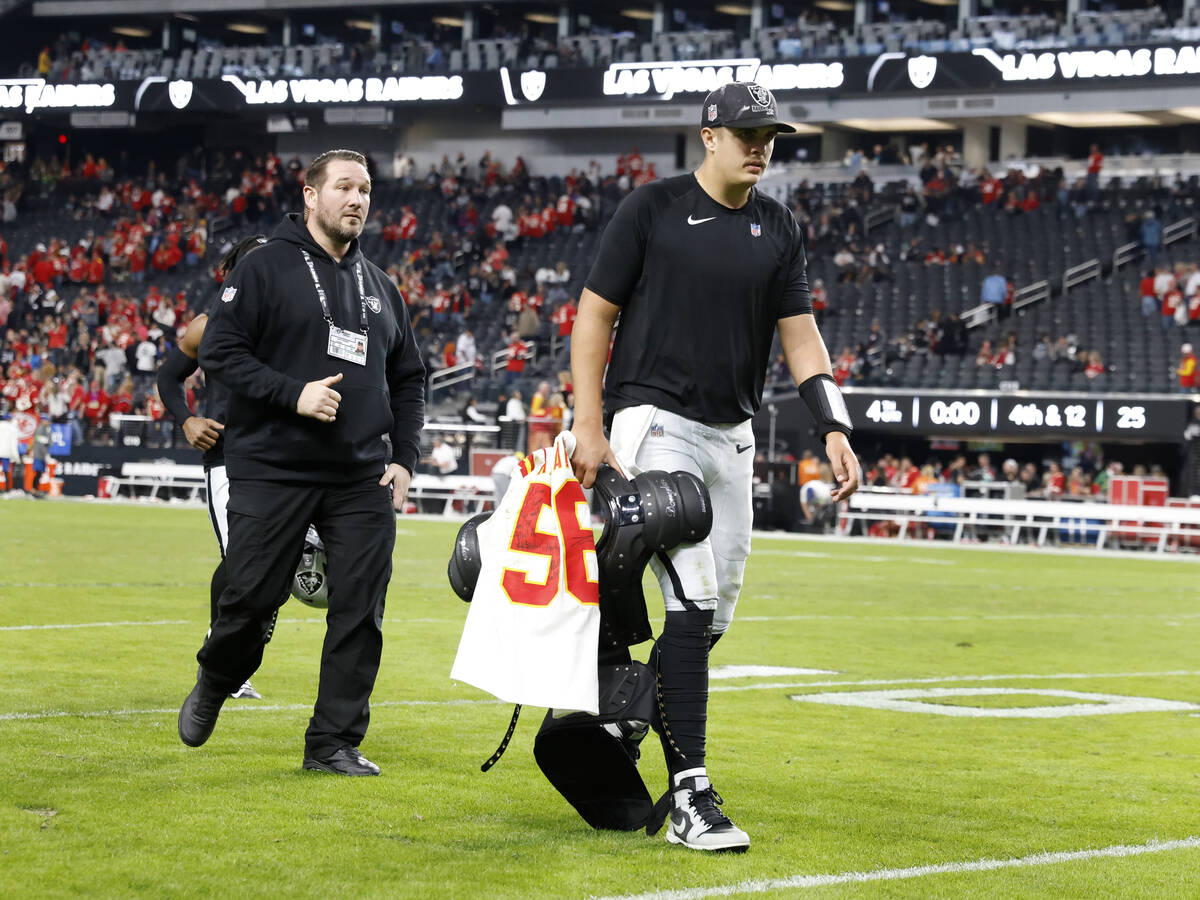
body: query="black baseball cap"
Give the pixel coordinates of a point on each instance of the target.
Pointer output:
(742, 104)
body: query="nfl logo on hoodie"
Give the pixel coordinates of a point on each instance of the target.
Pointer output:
(755, 229)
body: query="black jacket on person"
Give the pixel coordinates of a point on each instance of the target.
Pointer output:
(267, 338)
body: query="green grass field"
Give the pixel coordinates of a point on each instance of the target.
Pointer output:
(99, 797)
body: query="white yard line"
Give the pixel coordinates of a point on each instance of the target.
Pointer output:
(768, 885)
(950, 679)
(228, 707)
(764, 686)
(95, 625)
(312, 621)
(998, 617)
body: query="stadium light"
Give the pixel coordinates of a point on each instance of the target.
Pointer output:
(448, 21)
(542, 18)
(1094, 119)
(835, 5)
(645, 15)
(131, 31)
(733, 9)
(914, 123)
(247, 27)
(360, 24)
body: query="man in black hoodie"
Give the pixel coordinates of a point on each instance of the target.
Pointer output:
(314, 343)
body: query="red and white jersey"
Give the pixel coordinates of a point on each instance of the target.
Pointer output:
(532, 630)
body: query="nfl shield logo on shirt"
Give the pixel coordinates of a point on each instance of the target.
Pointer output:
(656, 430)
(228, 294)
(755, 229)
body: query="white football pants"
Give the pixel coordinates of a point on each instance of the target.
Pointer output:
(644, 438)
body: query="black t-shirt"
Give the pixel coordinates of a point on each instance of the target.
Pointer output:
(701, 288)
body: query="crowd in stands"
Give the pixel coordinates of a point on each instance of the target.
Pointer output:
(1080, 475)
(945, 191)
(85, 318)
(424, 47)
(482, 254)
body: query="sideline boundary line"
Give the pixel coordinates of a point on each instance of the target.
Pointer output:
(275, 707)
(719, 688)
(763, 886)
(92, 625)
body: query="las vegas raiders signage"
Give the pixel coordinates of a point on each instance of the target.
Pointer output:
(890, 73)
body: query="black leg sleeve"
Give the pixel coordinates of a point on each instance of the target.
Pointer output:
(680, 657)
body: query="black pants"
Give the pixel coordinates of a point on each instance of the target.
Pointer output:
(267, 524)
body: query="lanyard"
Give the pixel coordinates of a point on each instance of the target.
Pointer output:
(362, 294)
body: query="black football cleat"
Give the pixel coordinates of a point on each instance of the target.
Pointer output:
(343, 761)
(198, 715)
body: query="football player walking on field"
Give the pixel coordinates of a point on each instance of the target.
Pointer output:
(702, 269)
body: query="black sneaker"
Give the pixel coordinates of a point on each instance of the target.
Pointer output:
(343, 761)
(697, 822)
(198, 715)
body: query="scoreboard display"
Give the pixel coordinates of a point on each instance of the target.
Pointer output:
(1021, 415)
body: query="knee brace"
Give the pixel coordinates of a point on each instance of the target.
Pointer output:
(655, 512)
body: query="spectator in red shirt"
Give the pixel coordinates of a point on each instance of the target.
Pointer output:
(1054, 482)
(566, 211)
(95, 408)
(122, 400)
(44, 271)
(137, 262)
(1149, 297)
(564, 318)
(989, 188)
(515, 366)
(820, 299)
(408, 224)
(1095, 161)
(159, 262)
(844, 367)
(96, 270)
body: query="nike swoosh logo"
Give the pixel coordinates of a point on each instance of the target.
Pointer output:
(681, 824)
(741, 449)
(692, 221)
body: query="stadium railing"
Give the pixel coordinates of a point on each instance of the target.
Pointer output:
(1093, 523)
(444, 379)
(158, 476)
(471, 492)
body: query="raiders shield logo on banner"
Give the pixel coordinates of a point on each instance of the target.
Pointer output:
(533, 83)
(921, 70)
(180, 93)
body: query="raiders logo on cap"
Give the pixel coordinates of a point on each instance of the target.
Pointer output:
(760, 95)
